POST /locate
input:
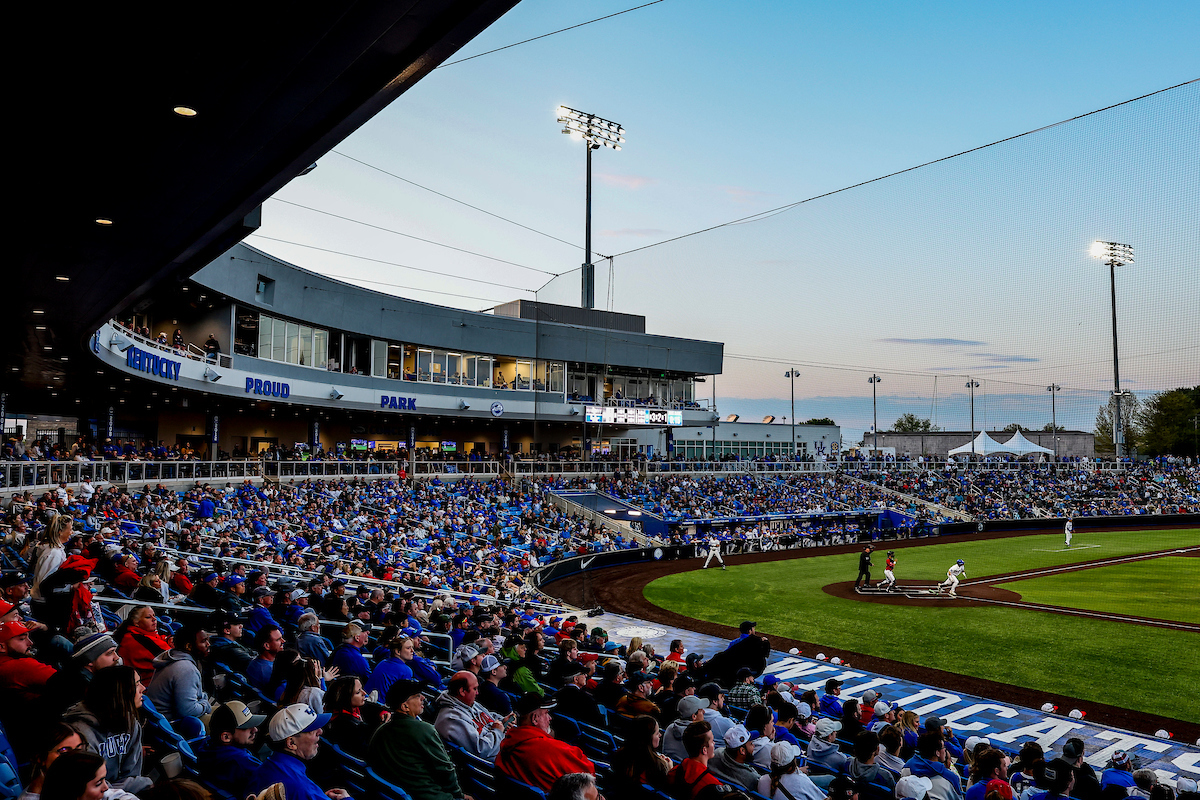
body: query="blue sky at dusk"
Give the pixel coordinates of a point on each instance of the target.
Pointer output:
(975, 266)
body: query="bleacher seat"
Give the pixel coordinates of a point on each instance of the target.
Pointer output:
(384, 789)
(10, 781)
(513, 789)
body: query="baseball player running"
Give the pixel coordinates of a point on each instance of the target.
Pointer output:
(889, 575)
(1068, 530)
(957, 569)
(714, 551)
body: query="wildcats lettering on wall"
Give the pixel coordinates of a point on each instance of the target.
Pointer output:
(1010, 725)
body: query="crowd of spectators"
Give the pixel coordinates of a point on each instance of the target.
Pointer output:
(294, 635)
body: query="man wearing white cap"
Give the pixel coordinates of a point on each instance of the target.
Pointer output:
(788, 780)
(732, 763)
(295, 733)
(913, 787)
(822, 747)
(884, 714)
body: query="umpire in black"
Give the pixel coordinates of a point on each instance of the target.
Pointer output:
(864, 566)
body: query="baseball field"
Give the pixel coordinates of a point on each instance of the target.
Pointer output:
(1113, 619)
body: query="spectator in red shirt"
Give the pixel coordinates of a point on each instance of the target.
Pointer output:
(138, 642)
(532, 755)
(691, 777)
(676, 655)
(127, 577)
(19, 670)
(180, 581)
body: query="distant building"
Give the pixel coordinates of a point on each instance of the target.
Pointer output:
(939, 443)
(746, 440)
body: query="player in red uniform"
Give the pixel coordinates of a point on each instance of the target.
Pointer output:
(889, 575)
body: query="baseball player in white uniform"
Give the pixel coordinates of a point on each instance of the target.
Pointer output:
(957, 569)
(714, 551)
(1068, 530)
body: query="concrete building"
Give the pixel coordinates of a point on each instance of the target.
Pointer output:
(746, 440)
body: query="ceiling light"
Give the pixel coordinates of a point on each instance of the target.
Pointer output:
(40, 327)
(64, 358)
(63, 278)
(47, 347)
(38, 311)
(105, 221)
(184, 111)
(16, 369)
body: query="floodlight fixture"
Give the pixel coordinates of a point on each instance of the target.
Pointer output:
(874, 380)
(793, 374)
(596, 132)
(1114, 254)
(972, 385)
(1054, 389)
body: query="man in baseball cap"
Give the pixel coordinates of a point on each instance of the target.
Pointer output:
(715, 695)
(913, 787)
(691, 709)
(295, 733)
(732, 763)
(831, 706)
(226, 761)
(531, 754)
(19, 670)
(823, 748)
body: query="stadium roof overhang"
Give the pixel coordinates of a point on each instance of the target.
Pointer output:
(96, 135)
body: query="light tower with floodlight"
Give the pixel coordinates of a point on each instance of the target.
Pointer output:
(1115, 255)
(596, 133)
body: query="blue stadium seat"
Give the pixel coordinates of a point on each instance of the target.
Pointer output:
(513, 789)
(384, 789)
(10, 781)
(352, 771)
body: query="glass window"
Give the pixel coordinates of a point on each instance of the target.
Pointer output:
(424, 365)
(410, 364)
(483, 371)
(524, 370)
(438, 366)
(292, 334)
(277, 340)
(379, 358)
(305, 358)
(558, 374)
(395, 355)
(453, 368)
(320, 348)
(264, 336)
(468, 377)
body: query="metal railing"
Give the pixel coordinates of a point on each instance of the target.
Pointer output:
(191, 351)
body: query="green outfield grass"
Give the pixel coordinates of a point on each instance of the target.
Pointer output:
(1098, 660)
(1162, 588)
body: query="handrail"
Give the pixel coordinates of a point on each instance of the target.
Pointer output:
(223, 359)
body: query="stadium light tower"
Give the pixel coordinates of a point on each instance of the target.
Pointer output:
(596, 133)
(1115, 255)
(1054, 389)
(972, 385)
(874, 381)
(793, 374)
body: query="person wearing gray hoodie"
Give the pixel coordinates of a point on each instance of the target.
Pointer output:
(862, 768)
(691, 709)
(822, 747)
(177, 689)
(107, 721)
(464, 722)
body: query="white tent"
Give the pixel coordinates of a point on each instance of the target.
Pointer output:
(983, 445)
(1021, 446)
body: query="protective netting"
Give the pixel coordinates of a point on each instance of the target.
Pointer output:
(976, 267)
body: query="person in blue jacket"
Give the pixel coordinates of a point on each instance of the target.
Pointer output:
(831, 706)
(295, 733)
(259, 616)
(348, 657)
(225, 760)
(393, 668)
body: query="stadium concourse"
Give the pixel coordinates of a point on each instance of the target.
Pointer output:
(247, 614)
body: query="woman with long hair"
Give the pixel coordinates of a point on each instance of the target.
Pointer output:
(909, 725)
(138, 641)
(107, 719)
(851, 721)
(279, 673)
(50, 552)
(303, 684)
(150, 589)
(638, 761)
(59, 739)
(76, 775)
(355, 718)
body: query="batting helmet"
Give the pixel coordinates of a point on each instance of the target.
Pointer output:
(891, 552)
(961, 562)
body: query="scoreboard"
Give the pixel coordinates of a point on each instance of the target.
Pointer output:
(619, 415)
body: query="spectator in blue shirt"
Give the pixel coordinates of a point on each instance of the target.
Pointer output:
(270, 645)
(831, 706)
(225, 760)
(295, 733)
(259, 616)
(393, 668)
(310, 642)
(348, 657)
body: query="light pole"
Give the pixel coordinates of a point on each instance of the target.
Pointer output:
(596, 133)
(972, 385)
(1114, 255)
(1054, 389)
(793, 374)
(874, 381)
